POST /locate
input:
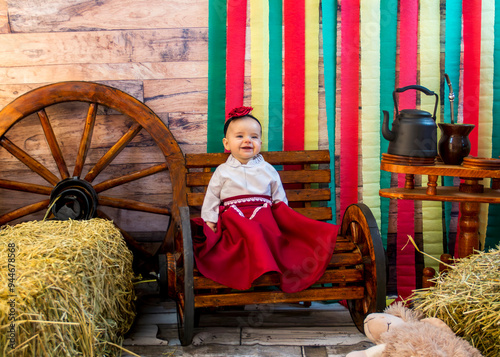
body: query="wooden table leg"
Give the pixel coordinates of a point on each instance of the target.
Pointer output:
(468, 239)
(410, 181)
(432, 184)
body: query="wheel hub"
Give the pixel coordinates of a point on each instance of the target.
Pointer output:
(73, 198)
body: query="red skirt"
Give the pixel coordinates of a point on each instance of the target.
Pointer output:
(254, 238)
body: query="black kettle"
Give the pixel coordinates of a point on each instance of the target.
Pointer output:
(414, 131)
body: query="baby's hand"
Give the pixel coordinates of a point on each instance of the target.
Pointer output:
(212, 225)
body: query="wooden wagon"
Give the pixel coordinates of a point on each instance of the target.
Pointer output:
(356, 272)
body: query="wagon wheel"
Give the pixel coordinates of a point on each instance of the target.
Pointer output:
(185, 294)
(359, 224)
(79, 188)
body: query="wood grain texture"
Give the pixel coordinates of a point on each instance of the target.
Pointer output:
(310, 294)
(4, 17)
(273, 157)
(441, 170)
(303, 336)
(87, 15)
(138, 46)
(97, 72)
(287, 330)
(450, 194)
(190, 131)
(273, 279)
(151, 195)
(9, 92)
(177, 95)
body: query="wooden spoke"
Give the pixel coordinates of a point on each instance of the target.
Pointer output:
(113, 152)
(130, 109)
(23, 211)
(359, 237)
(86, 139)
(29, 161)
(25, 187)
(132, 205)
(106, 185)
(53, 144)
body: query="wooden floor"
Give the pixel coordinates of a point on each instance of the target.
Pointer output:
(321, 330)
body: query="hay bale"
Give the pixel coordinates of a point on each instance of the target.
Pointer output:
(73, 292)
(467, 298)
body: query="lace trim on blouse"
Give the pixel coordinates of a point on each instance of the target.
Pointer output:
(246, 200)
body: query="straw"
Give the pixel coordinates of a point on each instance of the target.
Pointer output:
(451, 97)
(467, 298)
(74, 293)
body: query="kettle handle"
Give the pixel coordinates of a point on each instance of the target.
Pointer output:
(419, 88)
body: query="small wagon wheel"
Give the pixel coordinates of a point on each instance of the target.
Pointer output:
(359, 224)
(186, 314)
(82, 186)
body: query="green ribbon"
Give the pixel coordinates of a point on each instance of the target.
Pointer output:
(217, 14)
(329, 21)
(453, 39)
(388, 40)
(275, 109)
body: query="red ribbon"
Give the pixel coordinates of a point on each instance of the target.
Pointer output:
(235, 58)
(471, 14)
(408, 39)
(349, 125)
(294, 91)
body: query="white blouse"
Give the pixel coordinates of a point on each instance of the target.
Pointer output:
(257, 177)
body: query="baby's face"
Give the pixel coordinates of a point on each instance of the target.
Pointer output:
(243, 139)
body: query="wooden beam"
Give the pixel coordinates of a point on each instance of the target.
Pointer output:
(311, 294)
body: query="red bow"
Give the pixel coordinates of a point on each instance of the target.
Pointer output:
(239, 112)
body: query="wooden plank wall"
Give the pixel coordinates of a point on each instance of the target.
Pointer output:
(155, 50)
(158, 45)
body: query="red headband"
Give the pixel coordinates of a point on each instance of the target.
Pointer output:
(239, 112)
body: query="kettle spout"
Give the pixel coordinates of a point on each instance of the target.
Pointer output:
(388, 135)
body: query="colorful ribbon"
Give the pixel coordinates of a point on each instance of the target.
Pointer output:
(370, 103)
(294, 23)
(235, 59)
(285, 92)
(329, 21)
(406, 211)
(453, 39)
(493, 232)
(430, 77)
(349, 125)
(217, 14)
(485, 108)
(259, 52)
(311, 80)
(275, 110)
(388, 43)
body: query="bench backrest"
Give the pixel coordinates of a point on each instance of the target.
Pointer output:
(301, 178)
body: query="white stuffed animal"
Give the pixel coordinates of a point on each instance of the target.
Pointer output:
(401, 332)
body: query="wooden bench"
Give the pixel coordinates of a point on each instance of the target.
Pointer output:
(355, 273)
